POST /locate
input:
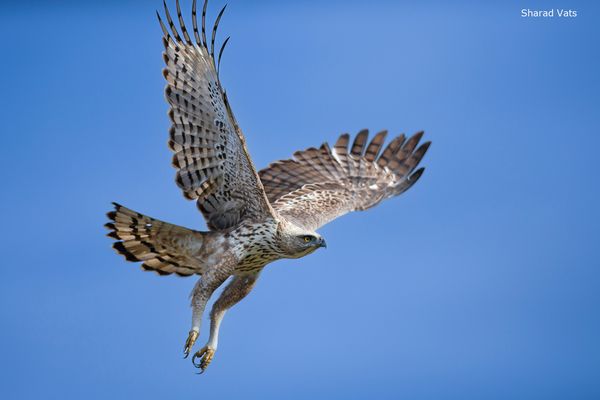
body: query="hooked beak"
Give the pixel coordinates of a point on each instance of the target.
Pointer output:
(322, 243)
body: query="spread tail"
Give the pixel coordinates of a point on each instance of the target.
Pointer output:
(162, 247)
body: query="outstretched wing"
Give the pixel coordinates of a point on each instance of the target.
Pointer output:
(319, 185)
(213, 164)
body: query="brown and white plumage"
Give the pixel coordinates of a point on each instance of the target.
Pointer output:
(159, 245)
(212, 161)
(254, 218)
(319, 185)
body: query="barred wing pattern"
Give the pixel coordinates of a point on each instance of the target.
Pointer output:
(319, 185)
(213, 164)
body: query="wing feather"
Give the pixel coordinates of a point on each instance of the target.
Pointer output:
(319, 185)
(359, 143)
(212, 161)
(375, 146)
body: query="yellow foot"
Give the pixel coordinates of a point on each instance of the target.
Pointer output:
(189, 343)
(205, 355)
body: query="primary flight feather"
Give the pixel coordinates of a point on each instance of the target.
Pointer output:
(254, 217)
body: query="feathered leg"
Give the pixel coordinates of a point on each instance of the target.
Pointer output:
(235, 291)
(204, 288)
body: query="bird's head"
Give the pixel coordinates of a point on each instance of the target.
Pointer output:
(298, 242)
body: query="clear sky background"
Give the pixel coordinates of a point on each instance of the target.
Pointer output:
(482, 281)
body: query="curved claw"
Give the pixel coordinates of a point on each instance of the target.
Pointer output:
(205, 355)
(189, 343)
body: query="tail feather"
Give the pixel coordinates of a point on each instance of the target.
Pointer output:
(162, 247)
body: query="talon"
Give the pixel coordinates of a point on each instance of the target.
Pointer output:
(205, 355)
(189, 343)
(198, 354)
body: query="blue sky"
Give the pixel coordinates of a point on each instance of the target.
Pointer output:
(480, 282)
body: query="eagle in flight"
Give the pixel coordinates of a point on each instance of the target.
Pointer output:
(254, 218)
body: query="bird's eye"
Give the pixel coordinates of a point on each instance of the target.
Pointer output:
(307, 239)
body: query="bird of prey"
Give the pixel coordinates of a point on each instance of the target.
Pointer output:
(254, 218)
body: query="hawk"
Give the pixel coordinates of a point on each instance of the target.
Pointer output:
(254, 218)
